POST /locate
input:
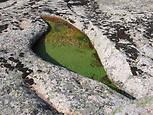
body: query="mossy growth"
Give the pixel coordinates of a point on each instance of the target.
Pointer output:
(67, 46)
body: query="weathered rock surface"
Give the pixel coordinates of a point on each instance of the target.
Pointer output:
(142, 106)
(121, 32)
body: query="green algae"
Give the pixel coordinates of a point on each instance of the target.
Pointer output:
(67, 46)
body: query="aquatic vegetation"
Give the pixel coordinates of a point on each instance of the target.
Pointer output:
(67, 46)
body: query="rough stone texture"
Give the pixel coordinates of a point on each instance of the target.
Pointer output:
(142, 106)
(121, 32)
(130, 28)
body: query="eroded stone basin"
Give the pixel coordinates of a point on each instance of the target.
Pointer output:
(67, 46)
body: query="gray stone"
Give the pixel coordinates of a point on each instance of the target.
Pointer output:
(121, 32)
(142, 106)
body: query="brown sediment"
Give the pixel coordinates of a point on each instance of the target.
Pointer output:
(113, 83)
(58, 18)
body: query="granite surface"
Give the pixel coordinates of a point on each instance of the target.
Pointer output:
(121, 32)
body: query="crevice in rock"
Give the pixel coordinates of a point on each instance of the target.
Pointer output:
(11, 4)
(135, 71)
(3, 0)
(3, 27)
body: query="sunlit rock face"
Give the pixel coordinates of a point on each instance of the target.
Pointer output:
(121, 33)
(132, 36)
(122, 36)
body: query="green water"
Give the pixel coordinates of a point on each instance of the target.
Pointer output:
(68, 47)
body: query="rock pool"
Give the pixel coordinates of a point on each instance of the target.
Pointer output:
(67, 46)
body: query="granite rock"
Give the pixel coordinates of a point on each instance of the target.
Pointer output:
(121, 32)
(122, 35)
